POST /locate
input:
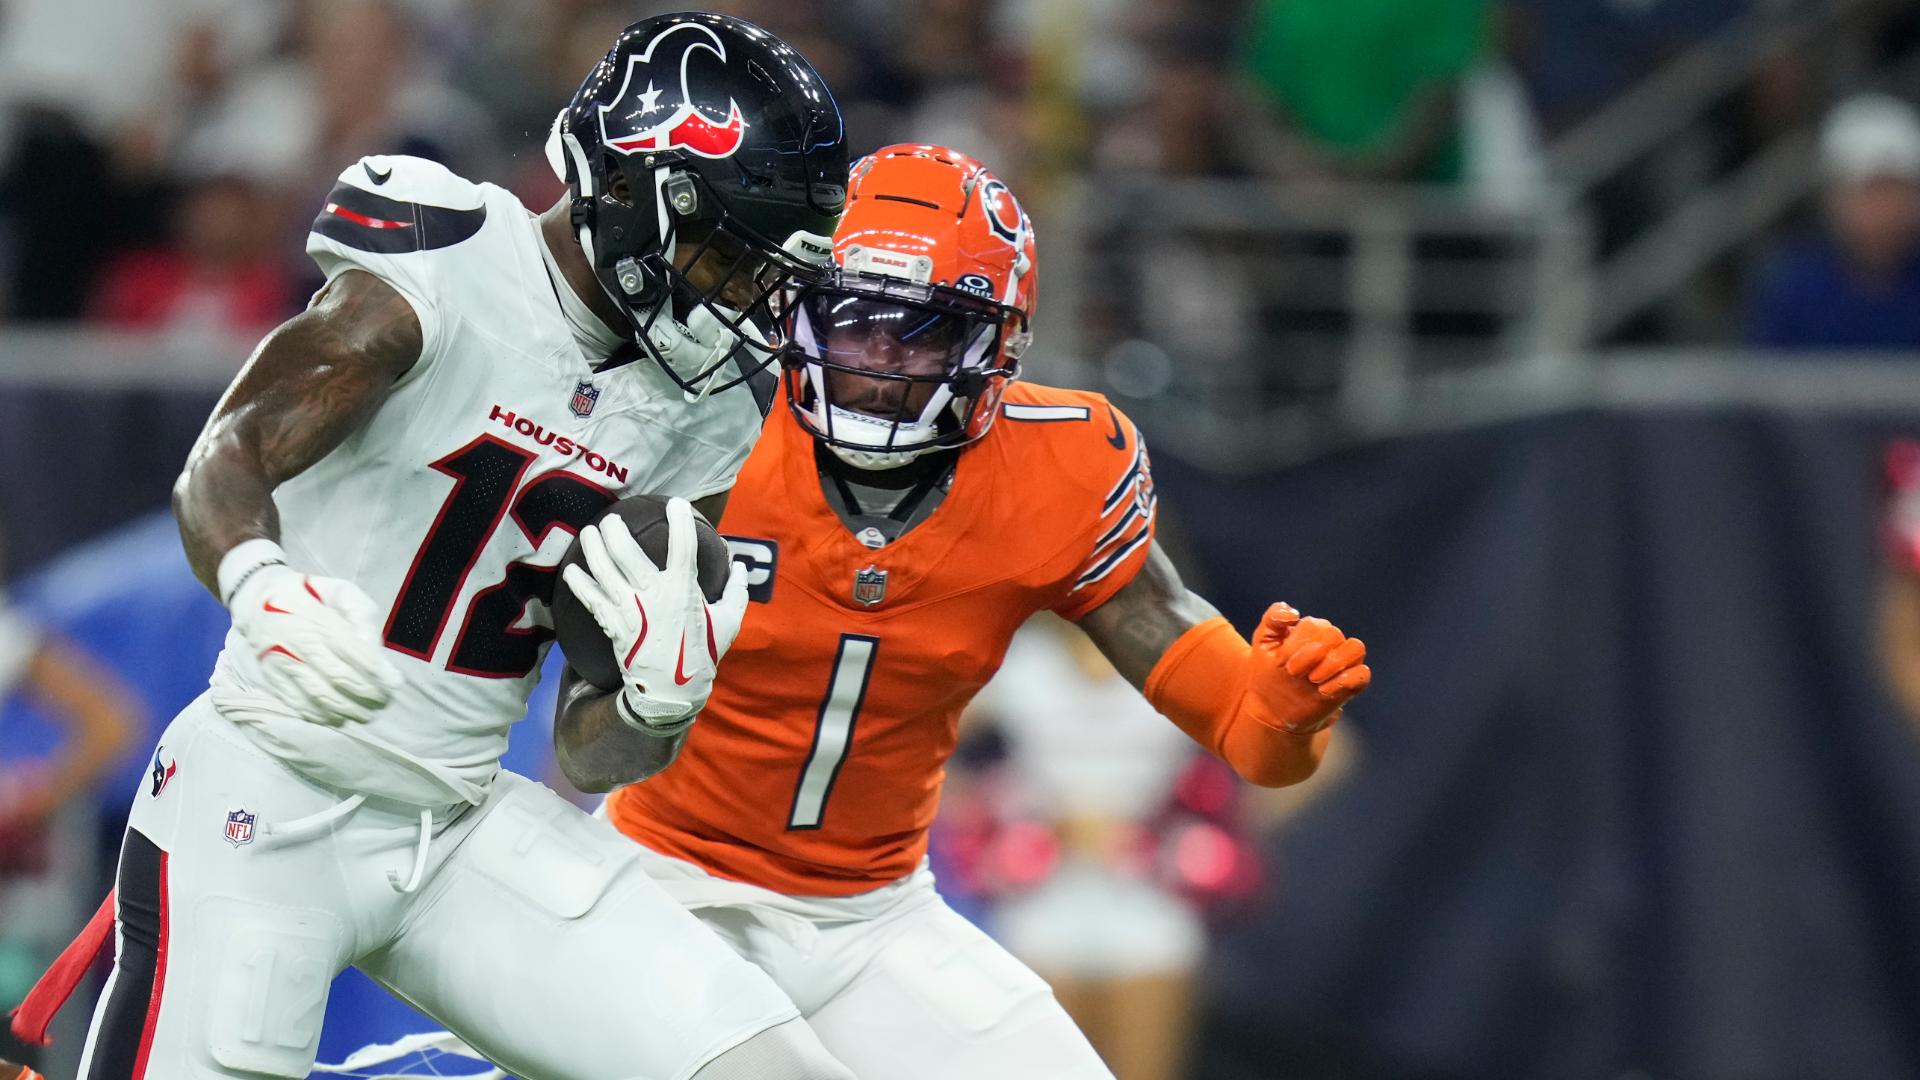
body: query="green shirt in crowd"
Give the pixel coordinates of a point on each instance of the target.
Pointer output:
(1345, 70)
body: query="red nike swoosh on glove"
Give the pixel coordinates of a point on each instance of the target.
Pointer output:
(680, 676)
(628, 662)
(283, 651)
(268, 606)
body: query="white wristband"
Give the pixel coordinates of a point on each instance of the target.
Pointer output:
(666, 727)
(242, 561)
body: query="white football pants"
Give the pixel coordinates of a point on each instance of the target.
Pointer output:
(532, 931)
(894, 982)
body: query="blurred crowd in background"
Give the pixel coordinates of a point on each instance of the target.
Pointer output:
(159, 162)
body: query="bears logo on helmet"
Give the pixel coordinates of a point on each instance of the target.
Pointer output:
(1004, 215)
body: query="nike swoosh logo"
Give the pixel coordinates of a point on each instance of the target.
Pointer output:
(1117, 440)
(631, 653)
(268, 606)
(680, 676)
(377, 177)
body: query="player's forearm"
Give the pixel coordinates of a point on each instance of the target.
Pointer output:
(221, 500)
(597, 750)
(1269, 756)
(1202, 685)
(1135, 628)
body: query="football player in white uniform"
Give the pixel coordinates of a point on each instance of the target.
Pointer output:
(381, 499)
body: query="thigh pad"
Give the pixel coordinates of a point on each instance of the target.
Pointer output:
(261, 983)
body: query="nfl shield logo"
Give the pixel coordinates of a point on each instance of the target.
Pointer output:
(584, 395)
(239, 827)
(870, 585)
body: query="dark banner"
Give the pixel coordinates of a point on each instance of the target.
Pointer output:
(75, 462)
(1632, 799)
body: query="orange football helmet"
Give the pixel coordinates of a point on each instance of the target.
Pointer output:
(906, 345)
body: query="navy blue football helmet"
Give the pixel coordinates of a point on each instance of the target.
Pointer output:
(707, 164)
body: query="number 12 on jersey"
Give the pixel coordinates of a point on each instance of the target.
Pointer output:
(833, 731)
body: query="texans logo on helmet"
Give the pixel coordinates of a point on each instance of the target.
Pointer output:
(665, 116)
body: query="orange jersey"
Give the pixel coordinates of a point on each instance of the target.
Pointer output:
(816, 766)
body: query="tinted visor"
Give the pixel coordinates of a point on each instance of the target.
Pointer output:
(870, 334)
(885, 357)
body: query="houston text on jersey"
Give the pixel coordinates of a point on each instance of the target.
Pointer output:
(570, 447)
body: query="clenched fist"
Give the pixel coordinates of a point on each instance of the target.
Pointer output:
(1304, 670)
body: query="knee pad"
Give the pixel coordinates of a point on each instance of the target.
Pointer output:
(789, 1051)
(261, 983)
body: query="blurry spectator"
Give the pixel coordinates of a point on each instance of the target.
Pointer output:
(56, 192)
(221, 277)
(1578, 55)
(1182, 123)
(1856, 286)
(101, 62)
(1900, 578)
(1094, 763)
(46, 832)
(1368, 89)
(91, 92)
(358, 84)
(528, 54)
(970, 89)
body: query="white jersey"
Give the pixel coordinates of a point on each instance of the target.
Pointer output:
(455, 503)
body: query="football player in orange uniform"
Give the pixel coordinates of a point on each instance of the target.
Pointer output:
(905, 513)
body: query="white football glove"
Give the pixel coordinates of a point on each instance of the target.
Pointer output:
(668, 639)
(317, 639)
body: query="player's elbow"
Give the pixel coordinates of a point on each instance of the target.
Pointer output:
(1277, 772)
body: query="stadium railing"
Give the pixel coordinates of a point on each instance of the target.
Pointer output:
(1255, 324)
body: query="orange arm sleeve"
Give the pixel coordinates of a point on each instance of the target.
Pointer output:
(1200, 683)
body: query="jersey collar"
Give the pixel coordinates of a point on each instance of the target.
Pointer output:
(590, 332)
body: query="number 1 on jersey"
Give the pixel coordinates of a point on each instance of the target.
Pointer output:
(833, 731)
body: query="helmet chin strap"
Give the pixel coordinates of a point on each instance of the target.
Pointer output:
(876, 460)
(844, 421)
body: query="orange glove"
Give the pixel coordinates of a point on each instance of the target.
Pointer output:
(1303, 671)
(1261, 707)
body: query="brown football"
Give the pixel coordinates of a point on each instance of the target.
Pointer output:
(586, 646)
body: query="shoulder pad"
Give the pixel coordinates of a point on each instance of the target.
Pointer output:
(395, 204)
(1086, 417)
